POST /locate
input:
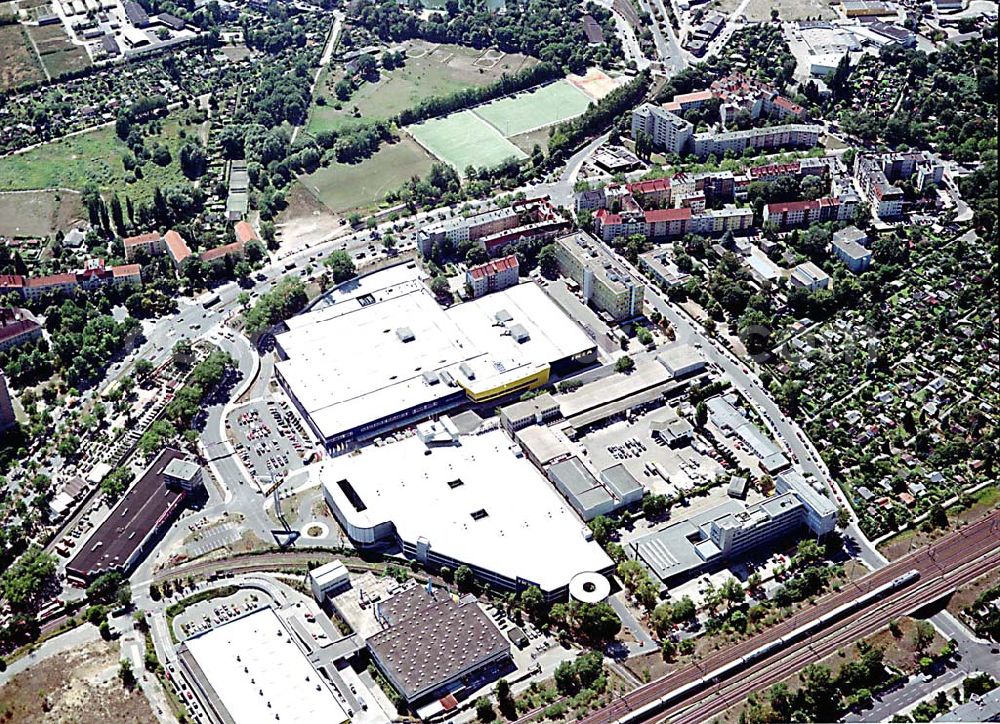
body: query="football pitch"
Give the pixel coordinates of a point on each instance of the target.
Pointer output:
(464, 139)
(552, 103)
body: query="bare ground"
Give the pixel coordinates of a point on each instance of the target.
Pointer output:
(81, 686)
(37, 214)
(306, 222)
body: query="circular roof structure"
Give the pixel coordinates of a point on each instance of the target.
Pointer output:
(589, 587)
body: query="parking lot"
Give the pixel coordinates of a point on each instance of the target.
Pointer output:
(661, 470)
(208, 614)
(268, 438)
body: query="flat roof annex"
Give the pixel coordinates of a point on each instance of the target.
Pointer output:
(253, 666)
(527, 531)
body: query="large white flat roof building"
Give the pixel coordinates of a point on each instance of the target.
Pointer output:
(385, 353)
(253, 669)
(477, 502)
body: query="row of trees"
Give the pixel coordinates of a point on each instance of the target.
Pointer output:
(507, 84)
(547, 29)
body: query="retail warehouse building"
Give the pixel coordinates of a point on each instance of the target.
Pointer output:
(383, 353)
(448, 499)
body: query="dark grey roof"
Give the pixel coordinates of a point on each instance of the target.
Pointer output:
(431, 639)
(136, 14)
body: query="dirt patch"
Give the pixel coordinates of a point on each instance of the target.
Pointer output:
(966, 596)
(596, 83)
(81, 685)
(306, 222)
(37, 214)
(18, 62)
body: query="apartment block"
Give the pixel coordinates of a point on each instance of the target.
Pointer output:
(669, 131)
(498, 230)
(492, 276)
(789, 214)
(877, 174)
(604, 282)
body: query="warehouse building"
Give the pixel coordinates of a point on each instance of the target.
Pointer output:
(590, 497)
(251, 670)
(420, 360)
(477, 502)
(433, 646)
(148, 508)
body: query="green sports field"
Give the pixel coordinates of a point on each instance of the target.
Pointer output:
(464, 139)
(538, 108)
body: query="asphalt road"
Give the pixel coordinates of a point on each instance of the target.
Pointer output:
(944, 565)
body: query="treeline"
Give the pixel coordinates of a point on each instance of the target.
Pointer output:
(569, 135)
(286, 299)
(506, 85)
(547, 29)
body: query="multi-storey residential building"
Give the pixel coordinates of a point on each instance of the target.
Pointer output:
(93, 275)
(876, 176)
(796, 169)
(796, 135)
(668, 131)
(492, 276)
(521, 222)
(154, 244)
(17, 326)
(603, 281)
(788, 214)
(151, 243)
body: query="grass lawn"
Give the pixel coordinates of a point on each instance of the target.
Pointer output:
(58, 53)
(541, 107)
(90, 157)
(18, 62)
(464, 139)
(430, 71)
(345, 187)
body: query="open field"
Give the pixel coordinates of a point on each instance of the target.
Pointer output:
(58, 53)
(464, 139)
(18, 62)
(345, 187)
(36, 214)
(760, 10)
(90, 157)
(430, 71)
(79, 685)
(534, 109)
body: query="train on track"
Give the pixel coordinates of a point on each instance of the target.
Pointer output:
(715, 676)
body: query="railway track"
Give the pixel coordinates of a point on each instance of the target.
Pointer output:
(935, 562)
